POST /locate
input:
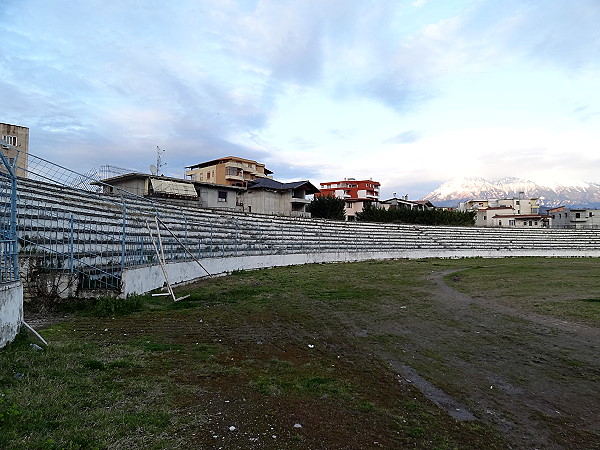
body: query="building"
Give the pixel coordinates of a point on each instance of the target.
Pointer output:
(520, 205)
(176, 190)
(404, 202)
(521, 221)
(507, 212)
(230, 171)
(356, 193)
(15, 146)
(268, 196)
(575, 218)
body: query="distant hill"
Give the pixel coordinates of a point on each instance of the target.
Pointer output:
(581, 195)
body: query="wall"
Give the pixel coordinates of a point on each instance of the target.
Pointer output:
(263, 201)
(22, 134)
(145, 279)
(11, 311)
(209, 196)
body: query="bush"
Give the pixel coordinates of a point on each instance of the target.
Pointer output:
(372, 213)
(328, 208)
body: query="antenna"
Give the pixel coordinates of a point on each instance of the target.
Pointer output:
(153, 169)
(159, 162)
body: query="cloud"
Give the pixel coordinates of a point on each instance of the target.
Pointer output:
(406, 137)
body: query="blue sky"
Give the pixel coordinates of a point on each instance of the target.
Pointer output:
(408, 93)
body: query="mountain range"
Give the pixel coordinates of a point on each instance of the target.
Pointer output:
(580, 195)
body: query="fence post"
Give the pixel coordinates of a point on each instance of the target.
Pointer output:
(71, 229)
(124, 239)
(13, 224)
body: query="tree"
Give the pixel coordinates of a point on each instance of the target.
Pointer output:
(372, 213)
(328, 208)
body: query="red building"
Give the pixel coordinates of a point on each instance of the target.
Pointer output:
(356, 193)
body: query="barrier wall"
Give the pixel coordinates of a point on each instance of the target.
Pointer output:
(145, 279)
(11, 311)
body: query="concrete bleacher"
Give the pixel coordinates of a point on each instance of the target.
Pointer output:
(99, 235)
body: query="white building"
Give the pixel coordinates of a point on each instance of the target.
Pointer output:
(575, 218)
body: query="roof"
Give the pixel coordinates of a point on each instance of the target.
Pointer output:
(352, 180)
(496, 208)
(171, 187)
(268, 183)
(522, 216)
(134, 175)
(225, 159)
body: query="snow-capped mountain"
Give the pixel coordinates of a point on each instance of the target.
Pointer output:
(462, 189)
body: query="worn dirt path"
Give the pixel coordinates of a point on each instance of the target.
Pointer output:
(535, 378)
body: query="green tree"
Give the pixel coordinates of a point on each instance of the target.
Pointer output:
(372, 213)
(328, 208)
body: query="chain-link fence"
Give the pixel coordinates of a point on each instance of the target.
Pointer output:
(9, 264)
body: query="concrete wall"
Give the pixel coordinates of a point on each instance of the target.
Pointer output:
(11, 311)
(263, 201)
(145, 279)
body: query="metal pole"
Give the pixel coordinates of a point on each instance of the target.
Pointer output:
(71, 243)
(124, 239)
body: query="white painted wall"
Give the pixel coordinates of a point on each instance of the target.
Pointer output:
(11, 311)
(140, 280)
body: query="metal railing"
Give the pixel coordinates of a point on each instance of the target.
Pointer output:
(9, 261)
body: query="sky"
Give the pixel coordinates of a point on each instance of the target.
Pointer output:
(408, 93)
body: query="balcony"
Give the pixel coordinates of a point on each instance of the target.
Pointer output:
(303, 201)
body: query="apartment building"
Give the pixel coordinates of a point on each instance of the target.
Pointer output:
(14, 141)
(356, 193)
(506, 212)
(520, 205)
(582, 218)
(230, 171)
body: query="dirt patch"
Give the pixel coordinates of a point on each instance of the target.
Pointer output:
(356, 356)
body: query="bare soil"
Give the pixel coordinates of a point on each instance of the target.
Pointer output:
(489, 376)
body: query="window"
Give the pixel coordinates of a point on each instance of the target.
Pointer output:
(535, 223)
(530, 224)
(511, 223)
(578, 215)
(207, 176)
(222, 196)
(349, 205)
(10, 140)
(500, 223)
(590, 214)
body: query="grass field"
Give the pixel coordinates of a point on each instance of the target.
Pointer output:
(436, 354)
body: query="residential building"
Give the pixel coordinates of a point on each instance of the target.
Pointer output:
(230, 171)
(484, 217)
(404, 202)
(14, 140)
(506, 212)
(520, 205)
(575, 218)
(176, 190)
(521, 221)
(268, 196)
(356, 193)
